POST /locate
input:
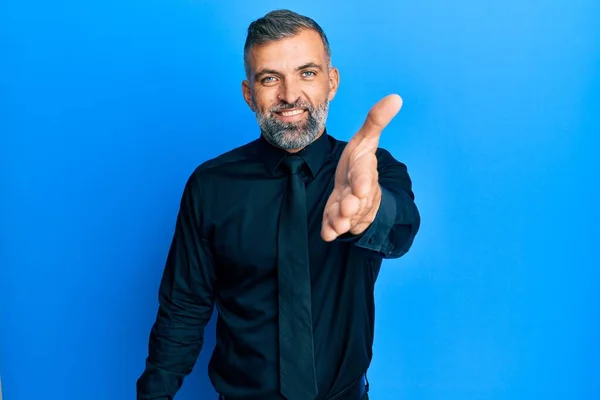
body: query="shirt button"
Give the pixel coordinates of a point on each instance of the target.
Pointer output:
(372, 240)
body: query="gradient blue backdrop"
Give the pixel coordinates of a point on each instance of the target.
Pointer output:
(107, 107)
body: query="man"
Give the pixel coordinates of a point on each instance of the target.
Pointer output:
(285, 235)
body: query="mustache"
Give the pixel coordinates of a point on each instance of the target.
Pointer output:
(288, 106)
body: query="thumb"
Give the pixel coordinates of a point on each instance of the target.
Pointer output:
(380, 115)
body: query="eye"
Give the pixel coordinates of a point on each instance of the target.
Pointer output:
(309, 74)
(267, 80)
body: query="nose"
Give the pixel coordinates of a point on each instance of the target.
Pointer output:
(289, 92)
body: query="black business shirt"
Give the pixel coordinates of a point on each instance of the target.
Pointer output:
(223, 254)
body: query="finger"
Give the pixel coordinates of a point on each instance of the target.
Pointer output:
(349, 206)
(336, 221)
(327, 233)
(359, 227)
(362, 183)
(340, 225)
(332, 225)
(380, 116)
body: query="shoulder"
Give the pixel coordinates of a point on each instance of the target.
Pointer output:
(245, 153)
(386, 159)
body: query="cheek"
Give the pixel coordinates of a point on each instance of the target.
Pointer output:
(319, 93)
(264, 100)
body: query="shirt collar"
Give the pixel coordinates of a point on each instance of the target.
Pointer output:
(314, 154)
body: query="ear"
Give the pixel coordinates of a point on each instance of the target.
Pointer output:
(334, 82)
(247, 93)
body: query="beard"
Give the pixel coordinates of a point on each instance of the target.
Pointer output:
(293, 135)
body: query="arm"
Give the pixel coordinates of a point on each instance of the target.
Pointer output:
(372, 203)
(392, 232)
(185, 305)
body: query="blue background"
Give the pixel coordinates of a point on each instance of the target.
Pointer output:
(107, 107)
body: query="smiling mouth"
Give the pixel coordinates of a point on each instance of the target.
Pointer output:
(290, 113)
(294, 115)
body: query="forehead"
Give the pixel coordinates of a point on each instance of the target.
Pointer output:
(290, 52)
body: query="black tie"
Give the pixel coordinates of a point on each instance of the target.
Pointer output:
(296, 349)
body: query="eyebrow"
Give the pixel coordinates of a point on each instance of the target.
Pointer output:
(265, 71)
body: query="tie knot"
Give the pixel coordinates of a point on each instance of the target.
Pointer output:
(293, 163)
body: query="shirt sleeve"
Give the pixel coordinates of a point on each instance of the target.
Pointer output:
(186, 299)
(392, 232)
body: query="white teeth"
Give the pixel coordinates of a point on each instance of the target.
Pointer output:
(291, 113)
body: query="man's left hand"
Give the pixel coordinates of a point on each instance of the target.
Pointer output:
(356, 196)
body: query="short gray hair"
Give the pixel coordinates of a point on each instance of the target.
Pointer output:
(277, 25)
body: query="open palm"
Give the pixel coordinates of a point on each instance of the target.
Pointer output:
(356, 195)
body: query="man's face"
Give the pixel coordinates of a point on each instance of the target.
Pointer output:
(289, 88)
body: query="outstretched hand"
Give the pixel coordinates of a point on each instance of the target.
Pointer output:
(356, 196)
